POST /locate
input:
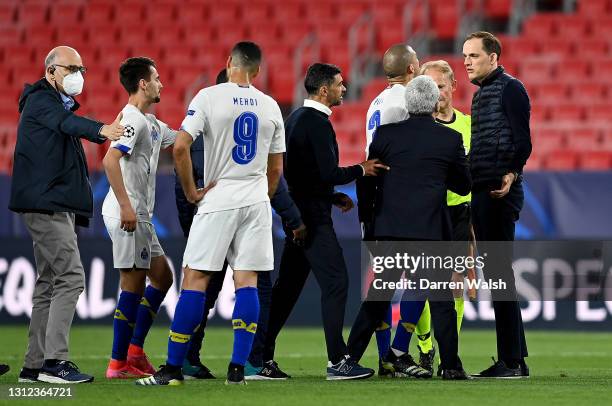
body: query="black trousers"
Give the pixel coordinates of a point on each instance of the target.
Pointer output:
(374, 308)
(493, 220)
(264, 293)
(323, 255)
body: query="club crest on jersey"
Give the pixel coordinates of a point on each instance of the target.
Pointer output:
(154, 135)
(144, 254)
(128, 131)
(190, 112)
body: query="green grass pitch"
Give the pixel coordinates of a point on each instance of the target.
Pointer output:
(567, 369)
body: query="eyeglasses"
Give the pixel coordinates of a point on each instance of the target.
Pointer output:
(74, 68)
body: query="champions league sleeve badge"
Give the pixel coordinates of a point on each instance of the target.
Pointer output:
(128, 131)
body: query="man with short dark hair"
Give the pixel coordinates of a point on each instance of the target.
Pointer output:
(243, 157)
(501, 145)
(255, 368)
(312, 171)
(131, 167)
(50, 189)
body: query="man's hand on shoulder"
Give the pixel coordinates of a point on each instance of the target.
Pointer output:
(373, 167)
(113, 131)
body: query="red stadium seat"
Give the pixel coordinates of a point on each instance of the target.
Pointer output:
(224, 16)
(200, 36)
(320, 11)
(585, 139)
(282, 85)
(10, 35)
(601, 27)
(391, 35)
(564, 113)
(578, 70)
(102, 35)
(385, 12)
(192, 15)
(373, 89)
(72, 35)
(593, 8)
(166, 35)
(498, 9)
(98, 13)
(294, 31)
(40, 35)
(259, 12)
(351, 11)
(519, 48)
(551, 93)
(288, 12)
(151, 50)
(591, 47)
(129, 36)
(556, 47)
(179, 55)
(161, 14)
(227, 37)
(112, 56)
(16, 56)
(185, 75)
(128, 14)
(540, 26)
(561, 160)
(595, 160)
(545, 141)
(599, 113)
(445, 19)
(66, 15)
(330, 33)
(539, 70)
(32, 14)
(570, 26)
(588, 92)
(606, 142)
(7, 14)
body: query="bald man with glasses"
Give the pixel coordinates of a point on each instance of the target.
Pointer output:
(51, 191)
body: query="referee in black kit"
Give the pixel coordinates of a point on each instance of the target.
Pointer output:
(311, 170)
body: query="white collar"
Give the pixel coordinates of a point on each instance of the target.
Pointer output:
(317, 106)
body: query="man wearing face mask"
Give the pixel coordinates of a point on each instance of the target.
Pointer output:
(50, 189)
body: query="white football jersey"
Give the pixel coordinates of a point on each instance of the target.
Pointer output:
(388, 107)
(241, 126)
(140, 143)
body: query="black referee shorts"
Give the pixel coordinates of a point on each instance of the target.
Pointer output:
(461, 220)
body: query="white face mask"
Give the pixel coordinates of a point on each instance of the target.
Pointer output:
(73, 84)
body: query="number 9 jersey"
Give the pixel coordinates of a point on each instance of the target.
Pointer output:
(241, 126)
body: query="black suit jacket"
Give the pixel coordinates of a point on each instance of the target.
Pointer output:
(409, 201)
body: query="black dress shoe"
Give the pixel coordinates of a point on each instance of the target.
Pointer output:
(524, 369)
(455, 375)
(4, 369)
(499, 370)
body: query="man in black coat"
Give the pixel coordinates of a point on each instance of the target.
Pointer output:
(312, 171)
(501, 145)
(50, 188)
(409, 204)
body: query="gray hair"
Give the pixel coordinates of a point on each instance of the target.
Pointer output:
(51, 57)
(422, 95)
